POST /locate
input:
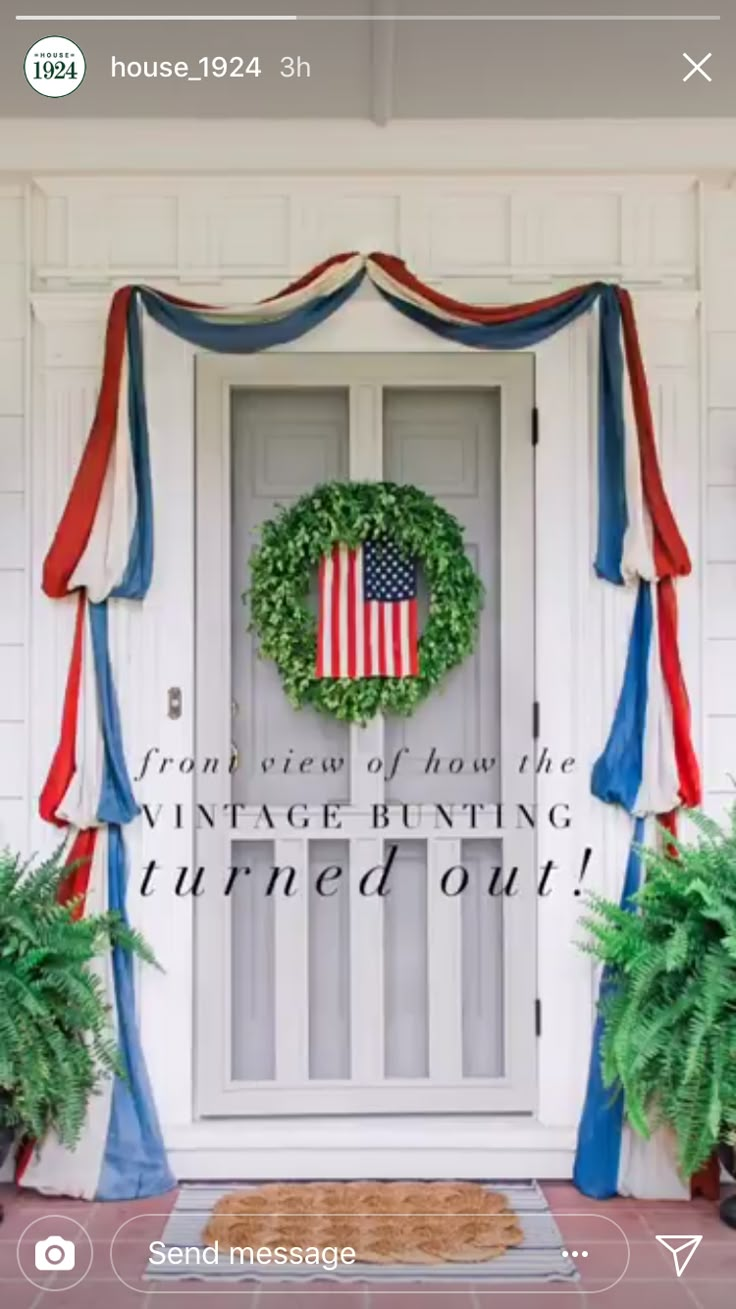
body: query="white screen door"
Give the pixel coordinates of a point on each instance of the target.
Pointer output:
(421, 1000)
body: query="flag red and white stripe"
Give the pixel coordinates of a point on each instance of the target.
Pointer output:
(358, 637)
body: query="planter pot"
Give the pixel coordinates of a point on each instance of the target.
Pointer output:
(7, 1140)
(7, 1137)
(727, 1156)
(707, 1181)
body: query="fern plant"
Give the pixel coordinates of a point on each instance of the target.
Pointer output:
(669, 999)
(57, 1042)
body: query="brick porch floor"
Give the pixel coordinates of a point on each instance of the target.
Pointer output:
(649, 1283)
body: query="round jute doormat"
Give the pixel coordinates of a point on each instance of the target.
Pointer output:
(383, 1222)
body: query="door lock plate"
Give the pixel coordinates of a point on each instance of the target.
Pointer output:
(174, 702)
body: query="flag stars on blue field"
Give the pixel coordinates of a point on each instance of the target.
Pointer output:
(387, 573)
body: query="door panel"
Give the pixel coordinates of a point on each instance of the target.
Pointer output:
(483, 963)
(448, 443)
(422, 1001)
(329, 962)
(406, 965)
(284, 443)
(252, 937)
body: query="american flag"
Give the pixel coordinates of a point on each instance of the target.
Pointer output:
(367, 624)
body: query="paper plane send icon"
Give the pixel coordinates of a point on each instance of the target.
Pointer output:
(682, 1249)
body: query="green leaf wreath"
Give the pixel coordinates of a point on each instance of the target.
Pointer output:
(282, 568)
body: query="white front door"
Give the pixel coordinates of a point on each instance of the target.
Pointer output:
(421, 1000)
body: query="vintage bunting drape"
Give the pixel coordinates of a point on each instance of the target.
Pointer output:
(103, 552)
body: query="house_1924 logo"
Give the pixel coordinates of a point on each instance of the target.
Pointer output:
(54, 66)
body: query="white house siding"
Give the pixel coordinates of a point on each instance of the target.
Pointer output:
(14, 580)
(720, 500)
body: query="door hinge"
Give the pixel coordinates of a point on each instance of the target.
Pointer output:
(535, 426)
(538, 1017)
(536, 715)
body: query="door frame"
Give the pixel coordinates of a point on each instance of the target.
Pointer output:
(577, 692)
(365, 377)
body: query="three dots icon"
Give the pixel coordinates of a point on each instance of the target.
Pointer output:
(574, 1254)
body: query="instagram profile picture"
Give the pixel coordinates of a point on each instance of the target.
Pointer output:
(54, 66)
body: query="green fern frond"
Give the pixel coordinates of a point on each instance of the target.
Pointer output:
(669, 998)
(57, 1041)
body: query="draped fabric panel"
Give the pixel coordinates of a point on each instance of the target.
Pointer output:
(601, 1125)
(104, 552)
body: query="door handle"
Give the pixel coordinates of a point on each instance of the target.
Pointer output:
(173, 700)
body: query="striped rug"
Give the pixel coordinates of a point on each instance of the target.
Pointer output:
(539, 1258)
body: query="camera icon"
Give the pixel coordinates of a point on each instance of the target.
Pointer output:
(54, 1255)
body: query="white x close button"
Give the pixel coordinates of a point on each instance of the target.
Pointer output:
(697, 67)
